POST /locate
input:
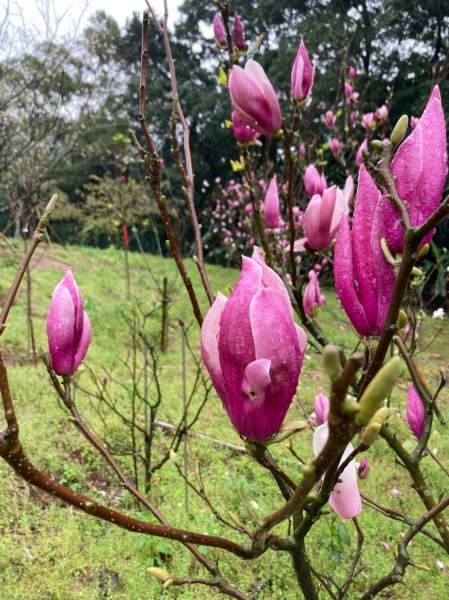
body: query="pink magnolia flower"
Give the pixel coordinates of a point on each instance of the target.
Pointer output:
(413, 122)
(253, 350)
(335, 146)
(353, 117)
(322, 217)
(321, 408)
(351, 96)
(254, 99)
(68, 327)
(352, 72)
(241, 131)
(416, 414)
(381, 113)
(314, 183)
(219, 31)
(363, 149)
(271, 205)
(302, 149)
(238, 35)
(313, 298)
(420, 167)
(302, 74)
(363, 468)
(364, 279)
(368, 121)
(330, 119)
(345, 497)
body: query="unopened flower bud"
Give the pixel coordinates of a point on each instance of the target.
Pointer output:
(219, 31)
(378, 389)
(363, 468)
(68, 327)
(238, 35)
(399, 131)
(423, 252)
(371, 434)
(160, 574)
(381, 415)
(416, 414)
(331, 361)
(308, 471)
(402, 319)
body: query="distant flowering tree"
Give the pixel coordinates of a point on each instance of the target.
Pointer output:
(294, 225)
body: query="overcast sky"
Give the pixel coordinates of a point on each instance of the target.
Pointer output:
(42, 14)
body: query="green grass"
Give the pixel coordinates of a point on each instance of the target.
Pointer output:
(51, 551)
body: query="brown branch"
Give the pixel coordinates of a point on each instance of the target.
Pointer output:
(403, 559)
(152, 165)
(341, 431)
(187, 174)
(37, 238)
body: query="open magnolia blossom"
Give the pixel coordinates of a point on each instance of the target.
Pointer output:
(253, 350)
(345, 497)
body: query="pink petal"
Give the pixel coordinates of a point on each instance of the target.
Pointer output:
(209, 344)
(271, 205)
(256, 379)
(321, 408)
(366, 202)
(345, 281)
(269, 277)
(345, 498)
(270, 312)
(61, 330)
(302, 338)
(416, 414)
(420, 165)
(385, 275)
(249, 102)
(83, 343)
(256, 72)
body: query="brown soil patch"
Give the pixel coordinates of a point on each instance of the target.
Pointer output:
(44, 262)
(41, 260)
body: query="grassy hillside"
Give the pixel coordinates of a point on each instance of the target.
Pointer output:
(50, 551)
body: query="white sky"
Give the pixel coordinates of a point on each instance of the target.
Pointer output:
(41, 15)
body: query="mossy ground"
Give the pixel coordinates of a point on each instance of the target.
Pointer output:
(50, 551)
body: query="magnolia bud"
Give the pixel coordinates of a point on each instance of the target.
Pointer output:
(371, 434)
(402, 319)
(308, 471)
(160, 574)
(423, 252)
(399, 131)
(378, 389)
(331, 361)
(363, 468)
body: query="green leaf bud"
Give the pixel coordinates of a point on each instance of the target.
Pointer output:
(399, 131)
(331, 361)
(378, 389)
